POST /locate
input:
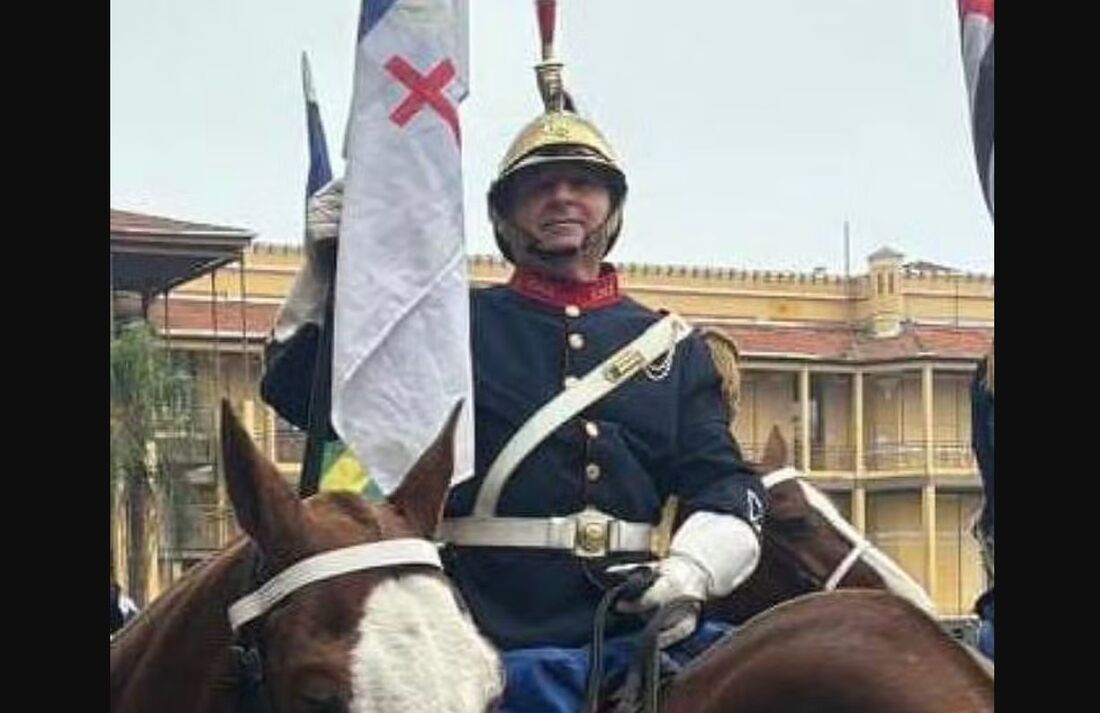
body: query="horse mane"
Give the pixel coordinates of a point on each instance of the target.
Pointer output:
(188, 620)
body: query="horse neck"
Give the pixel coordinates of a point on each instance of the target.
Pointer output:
(175, 654)
(771, 663)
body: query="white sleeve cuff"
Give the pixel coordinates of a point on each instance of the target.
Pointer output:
(724, 546)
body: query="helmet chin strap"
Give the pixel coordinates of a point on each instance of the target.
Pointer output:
(591, 249)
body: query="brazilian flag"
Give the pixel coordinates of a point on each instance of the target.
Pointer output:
(341, 470)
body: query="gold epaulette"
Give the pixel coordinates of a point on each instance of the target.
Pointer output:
(724, 354)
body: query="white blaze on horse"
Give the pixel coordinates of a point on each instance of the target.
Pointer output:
(340, 605)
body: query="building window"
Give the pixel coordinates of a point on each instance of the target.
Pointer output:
(879, 283)
(891, 282)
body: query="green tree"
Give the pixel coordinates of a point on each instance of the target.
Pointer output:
(148, 397)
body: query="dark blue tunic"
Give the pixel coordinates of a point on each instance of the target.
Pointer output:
(654, 438)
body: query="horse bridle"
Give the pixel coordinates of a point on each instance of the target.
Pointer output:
(252, 694)
(845, 566)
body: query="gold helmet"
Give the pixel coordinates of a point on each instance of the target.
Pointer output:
(559, 135)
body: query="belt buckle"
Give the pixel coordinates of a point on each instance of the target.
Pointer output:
(592, 536)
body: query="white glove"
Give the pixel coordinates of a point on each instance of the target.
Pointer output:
(323, 212)
(306, 301)
(710, 555)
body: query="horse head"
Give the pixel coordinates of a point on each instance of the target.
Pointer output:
(330, 604)
(808, 546)
(378, 637)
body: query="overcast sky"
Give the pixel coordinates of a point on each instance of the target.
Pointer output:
(749, 131)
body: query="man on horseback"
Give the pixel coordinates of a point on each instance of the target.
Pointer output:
(591, 410)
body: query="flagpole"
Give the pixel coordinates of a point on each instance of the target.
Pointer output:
(320, 404)
(320, 393)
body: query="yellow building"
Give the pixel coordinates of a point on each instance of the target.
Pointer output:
(868, 377)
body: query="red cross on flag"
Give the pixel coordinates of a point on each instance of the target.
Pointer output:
(401, 351)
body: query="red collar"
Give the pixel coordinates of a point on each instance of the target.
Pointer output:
(601, 292)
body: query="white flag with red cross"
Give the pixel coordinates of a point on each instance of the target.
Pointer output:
(401, 355)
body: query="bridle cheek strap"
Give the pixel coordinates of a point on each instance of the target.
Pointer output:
(372, 555)
(859, 543)
(845, 565)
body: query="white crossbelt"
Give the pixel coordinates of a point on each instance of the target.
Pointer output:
(588, 533)
(659, 338)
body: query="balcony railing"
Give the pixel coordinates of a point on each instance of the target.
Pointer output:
(842, 458)
(953, 455)
(186, 439)
(908, 456)
(905, 456)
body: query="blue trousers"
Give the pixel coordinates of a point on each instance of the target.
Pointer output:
(553, 680)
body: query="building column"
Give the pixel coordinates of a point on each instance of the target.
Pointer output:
(804, 402)
(928, 524)
(926, 402)
(249, 415)
(269, 428)
(859, 491)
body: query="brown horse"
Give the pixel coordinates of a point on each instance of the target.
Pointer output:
(807, 546)
(389, 635)
(852, 651)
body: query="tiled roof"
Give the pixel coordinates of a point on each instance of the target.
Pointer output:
(819, 342)
(841, 343)
(123, 221)
(824, 342)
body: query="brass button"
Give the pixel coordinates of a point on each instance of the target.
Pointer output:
(570, 381)
(591, 429)
(576, 340)
(593, 537)
(572, 311)
(592, 472)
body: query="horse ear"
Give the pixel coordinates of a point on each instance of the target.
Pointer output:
(266, 506)
(775, 451)
(420, 497)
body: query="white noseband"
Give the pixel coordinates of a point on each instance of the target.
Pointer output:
(372, 555)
